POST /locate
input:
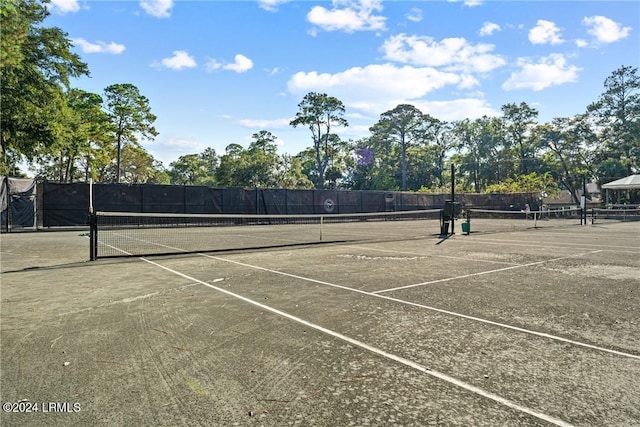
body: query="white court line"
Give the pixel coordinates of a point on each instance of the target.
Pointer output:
(438, 310)
(447, 279)
(411, 364)
(458, 258)
(537, 243)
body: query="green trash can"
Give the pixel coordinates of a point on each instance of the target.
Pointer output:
(466, 227)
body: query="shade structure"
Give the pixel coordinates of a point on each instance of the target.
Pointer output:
(631, 182)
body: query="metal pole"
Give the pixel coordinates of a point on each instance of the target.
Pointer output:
(93, 236)
(584, 201)
(453, 198)
(90, 196)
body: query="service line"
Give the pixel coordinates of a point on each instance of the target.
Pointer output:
(465, 276)
(399, 359)
(426, 307)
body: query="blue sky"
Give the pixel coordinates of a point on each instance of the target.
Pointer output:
(216, 72)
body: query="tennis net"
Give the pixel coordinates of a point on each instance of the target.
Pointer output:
(115, 234)
(602, 215)
(494, 221)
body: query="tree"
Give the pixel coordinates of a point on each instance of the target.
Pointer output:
(86, 125)
(262, 161)
(518, 120)
(131, 116)
(252, 167)
(569, 141)
(440, 137)
(529, 183)
(478, 143)
(617, 112)
(195, 169)
(289, 173)
(36, 65)
(421, 167)
(15, 27)
(187, 170)
(403, 126)
(138, 166)
(610, 170)
(320, 113)
(373, 165)
(231, 171)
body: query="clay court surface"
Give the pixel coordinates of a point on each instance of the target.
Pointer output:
(518, 328)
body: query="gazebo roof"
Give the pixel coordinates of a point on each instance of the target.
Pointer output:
(631, 182)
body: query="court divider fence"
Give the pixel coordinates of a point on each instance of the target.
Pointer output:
(63, 205)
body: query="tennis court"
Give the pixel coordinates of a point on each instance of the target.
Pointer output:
(518, 325)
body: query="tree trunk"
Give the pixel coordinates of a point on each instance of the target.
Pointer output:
(118, 160)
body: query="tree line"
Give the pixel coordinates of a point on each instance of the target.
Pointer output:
(67, 134)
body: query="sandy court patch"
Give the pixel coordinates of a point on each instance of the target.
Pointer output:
(615, 272)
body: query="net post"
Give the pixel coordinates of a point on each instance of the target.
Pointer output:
(453, 198)
(90, 196)
(583, 203)
(93, 236)
(321, 226)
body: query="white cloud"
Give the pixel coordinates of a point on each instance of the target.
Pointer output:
(468, 3)
(265, 124)
(582, 43)
(270, 5)
(605, 30)
(157, 8)
(348, 16)
(468, 81)
(545, 32)
(168, 149)
(368, 91)
(180, 60)
(453, 53)
(62, 7)
(212, 65)
(180, 144)
(361, 87)
(457, 109)
(552, 70)
(415, 15)
(489, 28)
(240, 65)
(98, 47)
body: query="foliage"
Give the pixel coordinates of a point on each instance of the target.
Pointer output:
(530, 183)
(130, 115)
(570, 143)
(194, 169)
(36, 65)
(617, 113)
(518, 121)
(399, 129)
(320, 113)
